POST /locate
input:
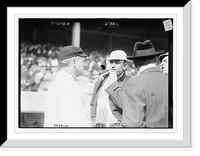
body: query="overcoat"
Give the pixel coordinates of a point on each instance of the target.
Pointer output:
(144, 99)
(117, 111)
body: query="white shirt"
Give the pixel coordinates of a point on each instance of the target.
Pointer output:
(104, 114)
(65, 106)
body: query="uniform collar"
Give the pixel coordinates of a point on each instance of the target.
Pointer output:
(122, 76)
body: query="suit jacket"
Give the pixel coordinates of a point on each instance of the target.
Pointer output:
(116, 110)
(144, 99)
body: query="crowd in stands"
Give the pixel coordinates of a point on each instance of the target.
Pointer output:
(39, 66)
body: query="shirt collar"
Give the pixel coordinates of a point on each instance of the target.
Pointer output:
(145, 67)
(121, 76)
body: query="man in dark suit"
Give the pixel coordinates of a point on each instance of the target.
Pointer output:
(144, 98)
(102, 112)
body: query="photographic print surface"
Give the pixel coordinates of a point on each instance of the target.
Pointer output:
(40, 42)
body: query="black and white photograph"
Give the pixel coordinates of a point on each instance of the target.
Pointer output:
(96, 73)
(99, 77)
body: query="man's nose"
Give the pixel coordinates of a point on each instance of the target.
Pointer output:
(113, 66)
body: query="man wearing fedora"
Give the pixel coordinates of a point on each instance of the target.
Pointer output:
(144, 98)
(65, 105)
(103, 113)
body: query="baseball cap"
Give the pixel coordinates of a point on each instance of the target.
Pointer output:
(118, 55)
(70, 51)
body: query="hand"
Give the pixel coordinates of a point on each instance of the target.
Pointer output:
(112, 77)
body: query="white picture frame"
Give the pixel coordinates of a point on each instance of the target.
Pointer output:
(177, 137)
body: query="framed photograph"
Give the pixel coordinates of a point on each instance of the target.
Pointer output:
(36, 36)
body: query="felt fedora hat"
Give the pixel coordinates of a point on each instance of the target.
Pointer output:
(144, 49)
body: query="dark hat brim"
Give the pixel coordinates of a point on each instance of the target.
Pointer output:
(144, 56)
(81, 54)
(163, 55)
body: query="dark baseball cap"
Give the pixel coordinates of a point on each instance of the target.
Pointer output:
(70, 51)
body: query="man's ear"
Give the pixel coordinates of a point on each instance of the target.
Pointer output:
(125, 66)
(73, 61)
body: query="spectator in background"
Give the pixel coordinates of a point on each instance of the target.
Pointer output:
(31, 84)
(54, 68)
(43, 78)
(65, 105)
(94, 67)
(38, 76)
(101, 111)
(163, 59)
(24, 75)
(30, 55)
(144, 98)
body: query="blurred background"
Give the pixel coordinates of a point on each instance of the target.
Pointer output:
(40, 41)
